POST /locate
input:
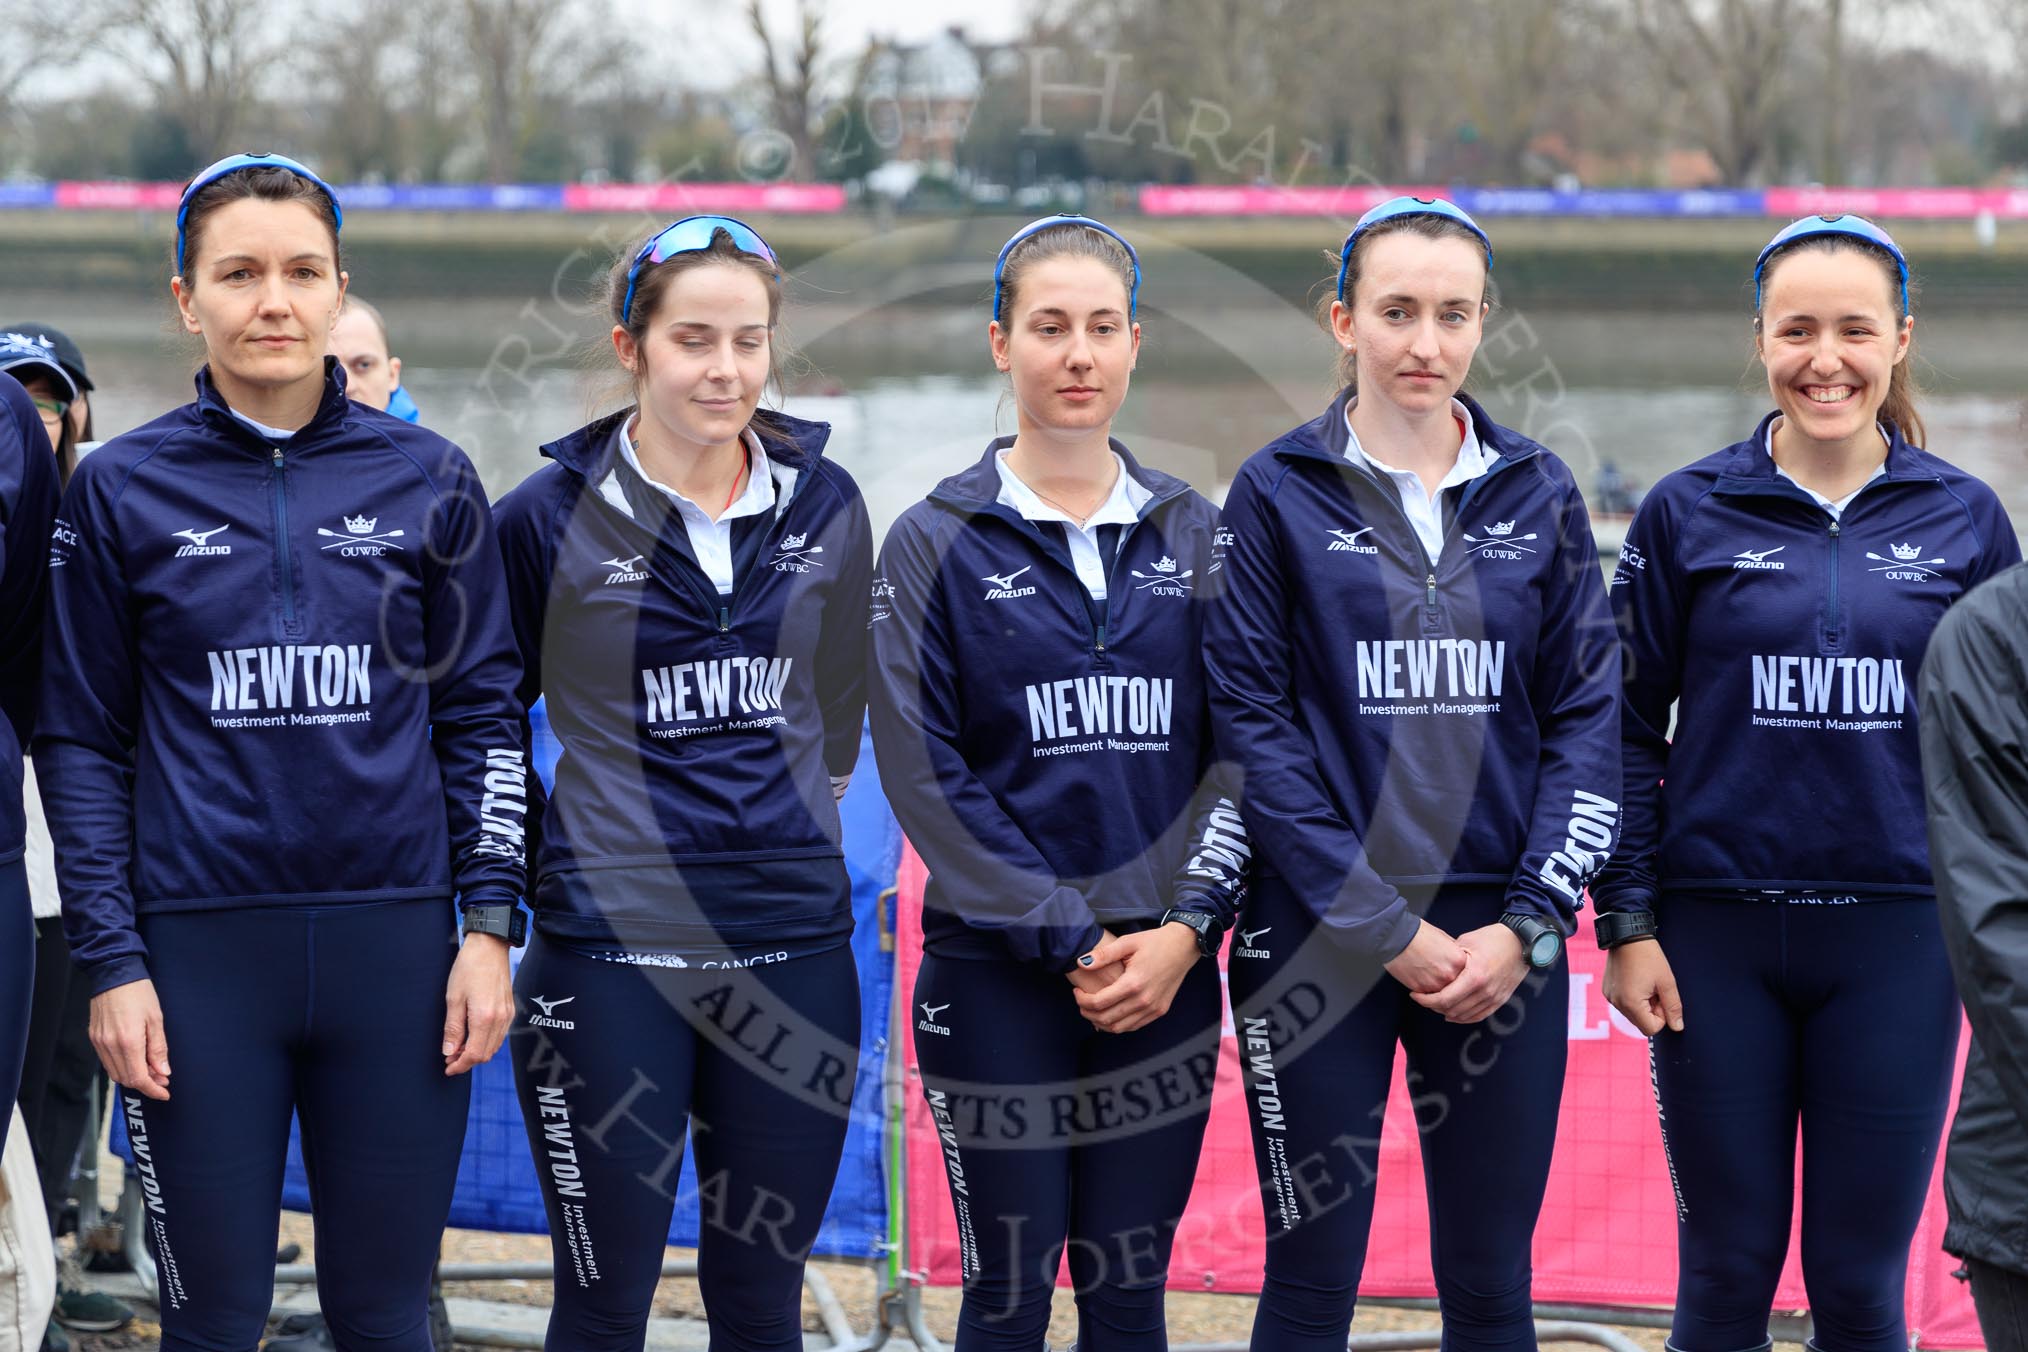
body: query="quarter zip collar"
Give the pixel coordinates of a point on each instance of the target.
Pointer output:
(1749, 469)
(1327, 436)
(975, 491)
(590, 451)
(333, 410)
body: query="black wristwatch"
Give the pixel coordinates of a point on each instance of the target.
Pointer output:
(1210, 934)
(1541, 944)
(502, 922)
(1614, 928)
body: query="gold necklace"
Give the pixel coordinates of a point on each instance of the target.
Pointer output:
(1080, 520)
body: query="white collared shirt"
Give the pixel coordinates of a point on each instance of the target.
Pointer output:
(1836, 509)
(271, 433)
(1420, 504)
(1121, 508)
(710, 541)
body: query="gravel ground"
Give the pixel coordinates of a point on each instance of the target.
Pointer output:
(1194, 1317)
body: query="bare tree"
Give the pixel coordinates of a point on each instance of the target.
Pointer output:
(522, 53)
(1728, 57)
(789, 68)
(355, 56)
(204, 58)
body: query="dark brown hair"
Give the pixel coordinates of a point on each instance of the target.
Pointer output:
(652, 285)
(1069, 240)
(254, 184)
(1898, 409)
(1346, 372)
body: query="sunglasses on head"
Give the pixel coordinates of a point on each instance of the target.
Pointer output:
(693, 234)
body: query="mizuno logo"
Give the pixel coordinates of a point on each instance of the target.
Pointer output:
(1348, 541)
(547, 1018)
(199, 545)
(624, 570)
(1248, 937)
(1000, 587)
(931, 1011)
(928, 1022)
(1760, 560)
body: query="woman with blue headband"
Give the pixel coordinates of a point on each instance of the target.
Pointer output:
(1038, 709)
(689, 580)
(279, 735)
(1414, 666)
(1779, 594)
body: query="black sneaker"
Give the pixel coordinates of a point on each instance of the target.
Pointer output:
(90, 1311)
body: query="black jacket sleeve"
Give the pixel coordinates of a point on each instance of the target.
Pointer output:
(1974, 721)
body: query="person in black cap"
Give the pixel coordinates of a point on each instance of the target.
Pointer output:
(31, 358)
(70, 357)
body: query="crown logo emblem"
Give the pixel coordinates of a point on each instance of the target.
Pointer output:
(1500, 528)
(1165, 564)
(1905, 551)
(361, 525)
(795, 541)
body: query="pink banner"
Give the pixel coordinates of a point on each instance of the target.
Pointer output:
(1607, 1234)
(119, 196)
(667, 198)
(1212, 200)
(1926, 203)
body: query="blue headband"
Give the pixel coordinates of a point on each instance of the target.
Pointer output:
(232, 164)
(1848, 225)
(1067, 218)
(1393, 209)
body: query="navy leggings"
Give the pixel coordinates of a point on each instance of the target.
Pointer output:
(17, 981)
(1057, 1134)
(612, 1061)
(1317, 1030)
(1840, 1018)
(336, 1013)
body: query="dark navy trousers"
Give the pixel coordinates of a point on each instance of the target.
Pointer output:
(1058, 1137)
(613, 1061)
(334, 1013)
(1317, 1029)
(1836, 1019)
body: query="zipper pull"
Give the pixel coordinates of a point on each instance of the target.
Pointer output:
(1834, 530)
(724, 619)
(1430, 582)
(1101, 638)
(278, 457)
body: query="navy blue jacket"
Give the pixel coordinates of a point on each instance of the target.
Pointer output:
(1408, 722)
(277, 674)
(692, 807)
(27, 504)
(1049, 756)
(1793, 643)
